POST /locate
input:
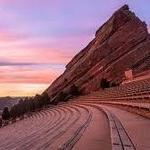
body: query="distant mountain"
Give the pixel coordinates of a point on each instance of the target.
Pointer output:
(122, 43)
(7, 102)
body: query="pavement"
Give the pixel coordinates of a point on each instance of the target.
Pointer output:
(97, 135)
(137, 127)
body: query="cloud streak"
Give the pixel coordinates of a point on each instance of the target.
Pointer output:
(26, 74)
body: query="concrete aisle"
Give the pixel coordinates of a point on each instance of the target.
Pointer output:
(97, 135)
(137, 127)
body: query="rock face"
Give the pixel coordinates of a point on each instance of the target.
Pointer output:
(122, 42)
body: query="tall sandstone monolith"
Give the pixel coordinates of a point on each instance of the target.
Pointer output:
(123, 42)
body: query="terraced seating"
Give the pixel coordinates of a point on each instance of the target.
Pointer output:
(57, 127)
(135, 95)
(136, 90)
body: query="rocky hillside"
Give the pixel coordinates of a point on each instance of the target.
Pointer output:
(122, 42)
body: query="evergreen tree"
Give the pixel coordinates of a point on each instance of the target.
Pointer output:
(104, 83)
(6, 114)
(74, 91)
(1, 122)
(62, 96)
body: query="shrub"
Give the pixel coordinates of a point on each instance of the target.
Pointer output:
(13, 112)
(1, 122)
(104, 83)
(45, 98)
(74, 90)
(113, 84)
(62, 96)
(30, 104)
(6, 114)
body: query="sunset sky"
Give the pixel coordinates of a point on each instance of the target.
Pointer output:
(39, 37)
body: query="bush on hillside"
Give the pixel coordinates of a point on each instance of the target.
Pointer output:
(65, 96)
(104, 83)
(74, 90)
(1, 122)
(13, 112)
(30, 104)
(5, 114)
(61, 97)
(45, 98)
(114, 84)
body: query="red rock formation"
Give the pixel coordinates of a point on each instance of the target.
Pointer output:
(122, 42)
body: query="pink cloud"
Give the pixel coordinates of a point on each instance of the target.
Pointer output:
(35, 56)
(42, 50)
(28, 75)
(8, 36)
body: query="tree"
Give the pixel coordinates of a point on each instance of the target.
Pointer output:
(113, 84)
(104, 83)
(45, 98)
(62, 96)
(30, 104)
(38, 101)
(74, 91)
(13, 112)
(6, 114)
(1, 122)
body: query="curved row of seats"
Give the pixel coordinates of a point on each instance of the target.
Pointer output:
(46, 129)
(131, 91)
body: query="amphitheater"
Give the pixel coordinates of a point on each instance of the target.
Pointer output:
(116, 118)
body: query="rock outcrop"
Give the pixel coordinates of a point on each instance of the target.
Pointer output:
(122, 42)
